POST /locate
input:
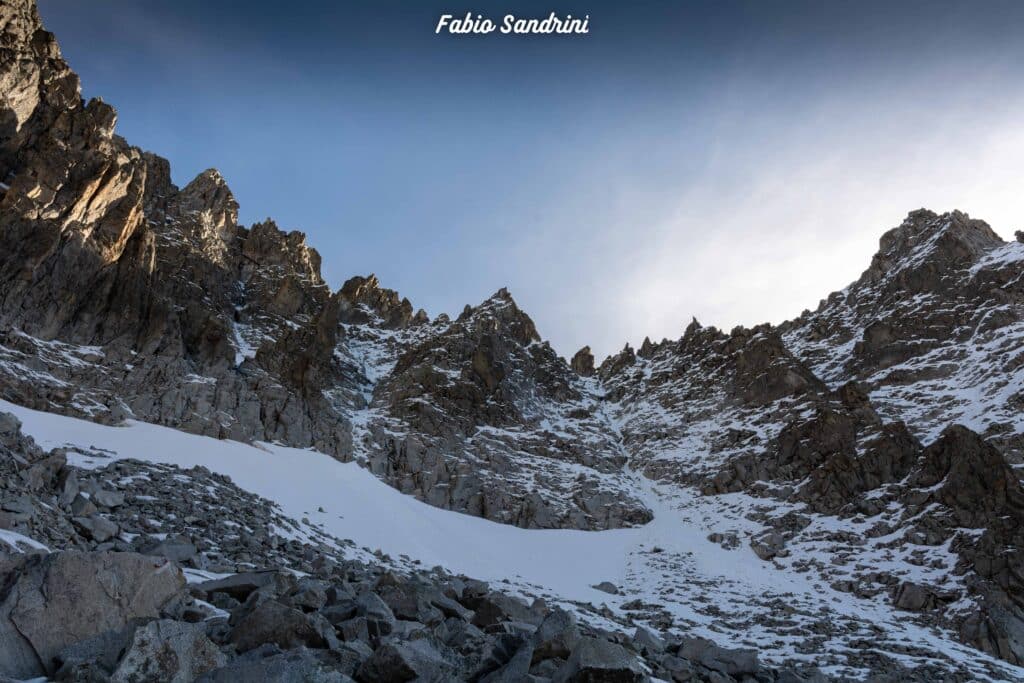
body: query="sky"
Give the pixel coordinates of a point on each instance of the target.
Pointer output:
(729, 161)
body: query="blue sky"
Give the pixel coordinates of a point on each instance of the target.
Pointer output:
(733, 161)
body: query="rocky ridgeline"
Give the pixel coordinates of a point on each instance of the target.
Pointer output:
(115, 605)
(483, 417)
(933, 329)
(124, 296)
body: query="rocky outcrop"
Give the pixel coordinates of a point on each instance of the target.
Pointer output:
(673, 399)
(468, 394)
(959, 490)
(363, 300)
(963, 482)
(832, 457)
(122, 295)
(583, 362)
(940, 310)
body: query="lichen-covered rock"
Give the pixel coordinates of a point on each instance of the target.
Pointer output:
(56, 600)
(168, 651)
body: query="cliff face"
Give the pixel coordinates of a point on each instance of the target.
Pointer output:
(124, 296)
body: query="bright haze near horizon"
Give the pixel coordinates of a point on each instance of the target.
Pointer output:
(733, 161)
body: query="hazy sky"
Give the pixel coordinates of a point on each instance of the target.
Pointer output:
(733, 161)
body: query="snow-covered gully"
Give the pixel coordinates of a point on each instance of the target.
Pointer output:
(664, 570)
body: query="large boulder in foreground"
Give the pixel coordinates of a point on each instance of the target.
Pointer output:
(170, 651)
(50, 602)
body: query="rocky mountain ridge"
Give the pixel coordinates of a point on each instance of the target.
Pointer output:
(874, 443)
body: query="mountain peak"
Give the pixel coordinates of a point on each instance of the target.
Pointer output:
(926, 239)
(209, 199)
(362, 299)
(267, 245)
(582, 362)
(501, 309)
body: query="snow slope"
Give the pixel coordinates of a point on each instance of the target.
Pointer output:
(703, 587)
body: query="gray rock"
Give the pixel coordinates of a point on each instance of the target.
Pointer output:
(97, 527)
(63, 598)
(648, 642)
(599, 660)
(556, 637)
(398, 662)
(295, 666)
(175, 548)
(517, 669)
(711, 656)
(108, 499)
(272, 622)
(607, 587)
(913, 597)
(240, 586)
(168, 651)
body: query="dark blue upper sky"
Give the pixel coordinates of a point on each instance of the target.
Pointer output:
(730, 160)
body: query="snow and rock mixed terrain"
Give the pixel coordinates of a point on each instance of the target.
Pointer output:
(838, 496)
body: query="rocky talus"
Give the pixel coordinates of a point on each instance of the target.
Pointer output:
(150, 587)
(872, 448)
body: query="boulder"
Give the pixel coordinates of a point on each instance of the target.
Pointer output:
(723, 660)
(60, 599)
(239, 586)
(913, 597)
(556, 637)
(379, 618)
(97, 527)
(399, 662)
(167, 651)
(175, 548)
(273, 666)
(272, 622)
(515, 670)
(594, 660)
(108, 499)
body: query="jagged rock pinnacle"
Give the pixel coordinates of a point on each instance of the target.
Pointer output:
(583, 362)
